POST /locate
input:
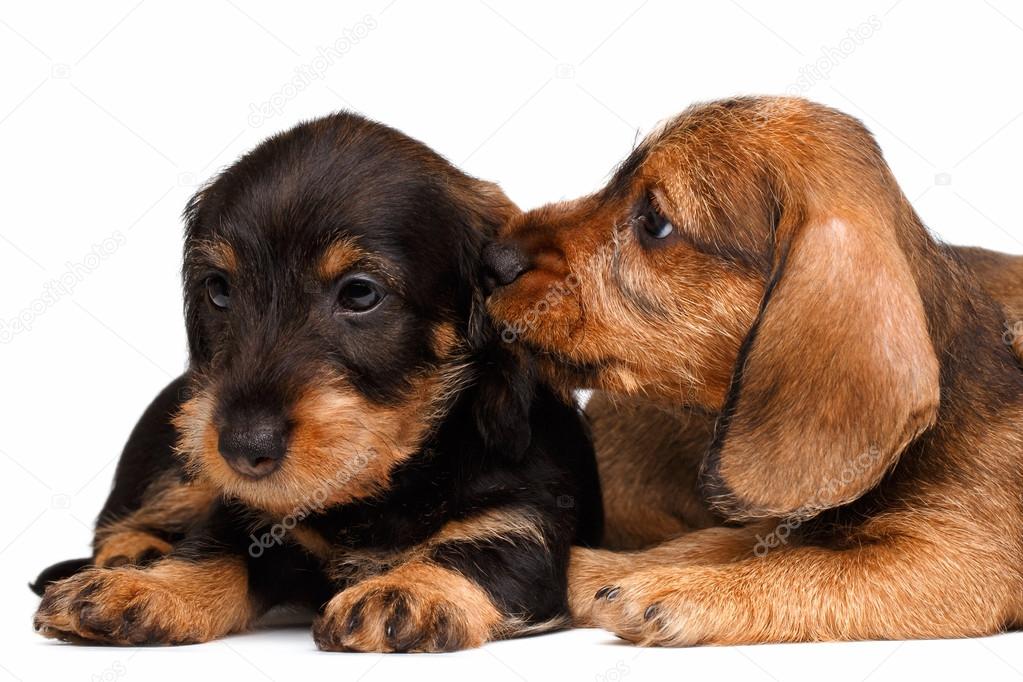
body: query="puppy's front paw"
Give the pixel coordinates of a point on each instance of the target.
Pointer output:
(416, 607)
(113, 606)
(588, 571)
(172, 602)
(665, 606)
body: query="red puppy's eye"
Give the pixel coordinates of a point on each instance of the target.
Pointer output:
(656, 225)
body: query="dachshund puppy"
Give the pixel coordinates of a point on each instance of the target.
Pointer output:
(792, 369)
(351, 433)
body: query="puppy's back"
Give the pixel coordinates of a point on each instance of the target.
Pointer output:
(1002, 277)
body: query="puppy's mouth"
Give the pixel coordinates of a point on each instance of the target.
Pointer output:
(566, 373)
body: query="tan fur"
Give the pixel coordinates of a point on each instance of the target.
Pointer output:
(631, 435)
(312, 542)
(339, 257)
(552, 307)
(780, 352)
(445, 341)
(887, 355)
(129, 547)
(594, 570)
(217, 254)
(811, 593)
(494, 524)
(172, 506)
(1002, 277)
(172, 602)
(445, 612)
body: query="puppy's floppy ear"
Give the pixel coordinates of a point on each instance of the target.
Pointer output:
(837, 376)
(505, 381)
(489, 208)
(198, 345)
(506, 386)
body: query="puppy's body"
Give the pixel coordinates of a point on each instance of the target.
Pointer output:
(782, 346)
(350, 435)
(642, 501)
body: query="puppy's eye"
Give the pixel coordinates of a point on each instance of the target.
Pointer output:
(656, 225)
(359, 295)
(219, 291)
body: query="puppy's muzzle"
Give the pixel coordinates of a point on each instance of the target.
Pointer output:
(503, 262)
(254, 444)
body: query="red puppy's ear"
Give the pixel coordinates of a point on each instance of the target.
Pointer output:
(836, 378)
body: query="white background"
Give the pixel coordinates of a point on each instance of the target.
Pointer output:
(112, 113)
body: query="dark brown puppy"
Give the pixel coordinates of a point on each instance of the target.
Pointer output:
(351, 434)
(781, 346)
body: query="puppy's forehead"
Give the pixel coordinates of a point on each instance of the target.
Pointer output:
(703, 135)
(334, 183)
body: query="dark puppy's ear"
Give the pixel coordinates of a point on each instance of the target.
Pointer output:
(198, 347)
(489, 209)
(505, 380)
(505, 387)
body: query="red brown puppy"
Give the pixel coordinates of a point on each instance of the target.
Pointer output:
(793, 369)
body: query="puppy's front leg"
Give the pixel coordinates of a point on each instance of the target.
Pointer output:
(493, 575)
(593, 571)
(174, 601)
(206, 588)
(892, 588)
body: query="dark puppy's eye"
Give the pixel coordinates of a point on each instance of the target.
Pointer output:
(655, 224)
(359, 294)
(219, 291)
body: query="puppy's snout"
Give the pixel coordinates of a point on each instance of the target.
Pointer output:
(254, 444)
(504, 262)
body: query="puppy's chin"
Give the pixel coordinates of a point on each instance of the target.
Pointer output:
(548, 321)
(342, 448)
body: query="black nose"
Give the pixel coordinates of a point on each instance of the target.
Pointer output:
(253, 444)
(504, 262)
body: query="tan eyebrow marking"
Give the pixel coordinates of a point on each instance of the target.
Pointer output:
(340, 256)
(218, 254)
(346, 253)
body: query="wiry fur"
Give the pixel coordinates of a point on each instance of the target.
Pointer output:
(399, 468)
(834, 382)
